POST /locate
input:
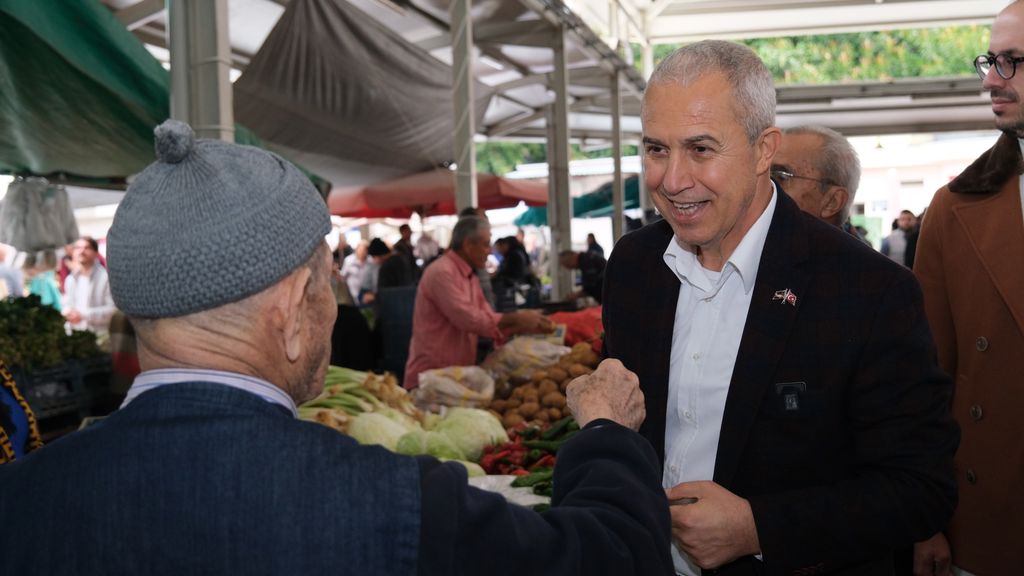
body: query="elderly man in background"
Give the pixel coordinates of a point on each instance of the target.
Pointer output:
(820, 171)
(970, 262)
(205, 468)
(87, 303)
(451, 311)
(789, 373)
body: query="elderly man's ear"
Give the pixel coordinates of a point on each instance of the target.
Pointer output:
(290, 312)
(835, 199)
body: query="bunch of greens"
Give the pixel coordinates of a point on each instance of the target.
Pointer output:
(32, 336)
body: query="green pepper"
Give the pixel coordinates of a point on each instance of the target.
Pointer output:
(556, 428)
(534, 478)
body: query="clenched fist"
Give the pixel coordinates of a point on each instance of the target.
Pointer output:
(611, 392)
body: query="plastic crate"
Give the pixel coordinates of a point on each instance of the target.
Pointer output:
(67, 388)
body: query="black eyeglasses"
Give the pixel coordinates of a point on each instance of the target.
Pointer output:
(1006, 65)
(782, 176)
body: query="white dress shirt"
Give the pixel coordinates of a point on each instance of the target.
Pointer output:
(710, 316)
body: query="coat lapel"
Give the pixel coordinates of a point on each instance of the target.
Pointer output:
(995, 229)
(768, 325)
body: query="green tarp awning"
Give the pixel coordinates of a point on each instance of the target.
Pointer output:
(591, 205)
(79, 94)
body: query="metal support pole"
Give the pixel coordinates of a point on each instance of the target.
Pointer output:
(462, 96)
(200, 67)
(618, 194)
(648, 60)
(559, 202)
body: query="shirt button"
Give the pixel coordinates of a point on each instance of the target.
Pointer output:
(688, 414)
(696, 356)
(981, 343)
(971, 476)
(976, 412)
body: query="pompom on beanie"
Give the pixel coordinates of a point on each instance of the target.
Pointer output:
(207, 224)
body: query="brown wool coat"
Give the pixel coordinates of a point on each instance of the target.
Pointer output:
(970, 262)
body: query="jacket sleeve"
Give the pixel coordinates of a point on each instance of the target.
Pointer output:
(609, 515)
(901, 486)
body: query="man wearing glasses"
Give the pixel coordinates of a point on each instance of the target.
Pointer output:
(820, 171)
(970, 262)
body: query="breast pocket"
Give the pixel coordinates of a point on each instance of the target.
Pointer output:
(794, 401)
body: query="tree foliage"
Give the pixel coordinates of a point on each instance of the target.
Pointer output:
(818, 59)
(866, 56)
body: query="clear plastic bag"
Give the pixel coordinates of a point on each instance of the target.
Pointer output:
(469, 386)
(517, 360)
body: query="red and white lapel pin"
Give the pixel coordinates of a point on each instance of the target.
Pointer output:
(785, 296)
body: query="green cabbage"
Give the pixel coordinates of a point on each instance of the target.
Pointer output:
(471, 430)
(374, 428)
(433, 443)
(472, 468)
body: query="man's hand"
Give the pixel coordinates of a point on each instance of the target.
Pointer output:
(73, 316)
(611, 392)
(932, 557)
(526, 322)
(716, 529)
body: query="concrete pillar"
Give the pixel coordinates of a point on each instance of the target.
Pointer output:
(462, 97)
(559, 201)
(200, 67)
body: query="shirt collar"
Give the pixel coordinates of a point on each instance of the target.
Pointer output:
(152, 379)
(744, 260)
(461, 265)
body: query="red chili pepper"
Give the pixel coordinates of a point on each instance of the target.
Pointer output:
(546, 460)
(519, 472)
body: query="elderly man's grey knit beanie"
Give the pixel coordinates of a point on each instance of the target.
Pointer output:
(207, 224)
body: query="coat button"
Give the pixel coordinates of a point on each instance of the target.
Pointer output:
(976, 412)
(981, 343)
(972, 477)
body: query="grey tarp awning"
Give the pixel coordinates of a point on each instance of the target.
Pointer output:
(332, 83)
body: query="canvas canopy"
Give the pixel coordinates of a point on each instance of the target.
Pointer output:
(431, 193)
(330, 82)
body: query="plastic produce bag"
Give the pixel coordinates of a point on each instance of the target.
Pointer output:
(469, 386)
(521, 357)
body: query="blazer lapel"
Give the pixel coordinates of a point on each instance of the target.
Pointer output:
(768, 325)
(995, 229)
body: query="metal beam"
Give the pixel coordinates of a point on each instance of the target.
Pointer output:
(443, 40)
(655, 9)
(141, 13)
(462, 98)
(534, 33)
(530, 80)
(508, 126)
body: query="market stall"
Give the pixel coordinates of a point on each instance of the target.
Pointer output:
(505, 418)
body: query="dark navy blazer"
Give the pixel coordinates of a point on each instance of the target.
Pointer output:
(200, 478)
(859, 461)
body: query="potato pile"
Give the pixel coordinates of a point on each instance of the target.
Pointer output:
(542, 399)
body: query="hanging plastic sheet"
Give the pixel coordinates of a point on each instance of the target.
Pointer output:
(36, 215)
